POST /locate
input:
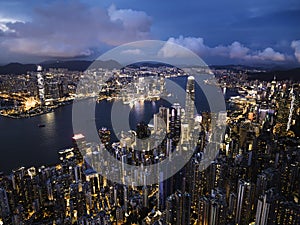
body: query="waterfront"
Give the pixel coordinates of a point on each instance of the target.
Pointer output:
(24, 143)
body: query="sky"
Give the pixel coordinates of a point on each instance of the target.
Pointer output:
(219, 31)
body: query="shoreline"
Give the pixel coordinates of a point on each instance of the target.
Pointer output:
(48, 110)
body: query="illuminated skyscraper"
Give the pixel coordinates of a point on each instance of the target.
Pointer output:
(265, 212)
(291, 110)
(244, 197)
(265, 180)
(175, 122)
(203, 213)
(178, 209)
(212, 209)
(190, 101)
(163, 114)
(41, 85)
(79, 143)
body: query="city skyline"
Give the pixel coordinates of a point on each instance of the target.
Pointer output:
(244, 174)
(220, 32)
(144, 112)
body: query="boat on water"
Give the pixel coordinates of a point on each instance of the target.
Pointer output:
(41, 125)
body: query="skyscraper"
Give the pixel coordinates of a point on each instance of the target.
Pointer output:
(265, 212)
(163, 114)
(190, 101)
(178, 207)
(212, 209)
(289, 123)
(41, 85)
(244, 197)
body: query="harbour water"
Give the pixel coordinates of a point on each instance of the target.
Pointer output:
(24, 143)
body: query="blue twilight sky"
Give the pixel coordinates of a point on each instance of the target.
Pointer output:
(220, 31)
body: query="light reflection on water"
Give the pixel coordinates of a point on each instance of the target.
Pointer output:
(23, 143)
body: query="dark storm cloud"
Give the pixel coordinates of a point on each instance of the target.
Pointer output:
(68, 29)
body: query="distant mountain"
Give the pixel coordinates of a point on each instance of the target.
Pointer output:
(290, 74)
(109, 64)
(17, 68)
(75, 65)
(149, 64)
(234, 67)
(264, 67)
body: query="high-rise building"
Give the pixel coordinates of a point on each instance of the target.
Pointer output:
(288, 213)
(244, 200)
(265, 211)
(178, 207)
(190, 102)
(79, 145)
(4, 204)
(161, 119)
(41, 84)
(175, 122)
(203, 212)
(265, 180)
(212, 209)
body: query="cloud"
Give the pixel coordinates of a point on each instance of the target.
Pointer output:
(236, 50)
(130, 19)
(132, 52)
(70, 29)
(195, 44)
(296, 46)
(269, 54)
(5, 29)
